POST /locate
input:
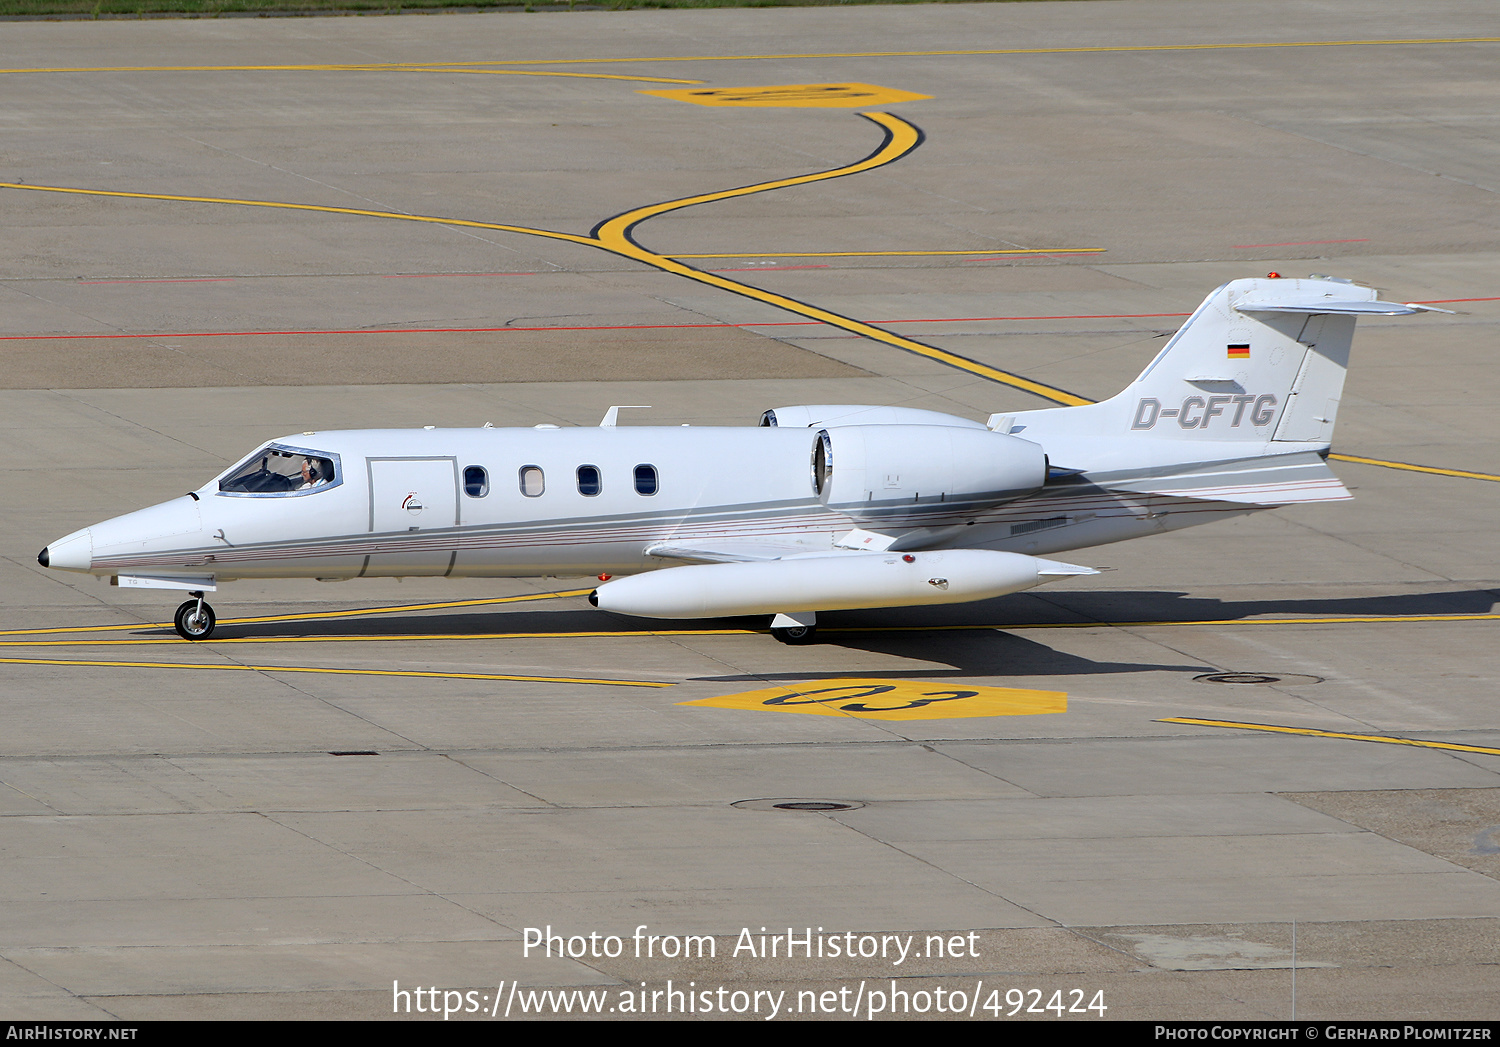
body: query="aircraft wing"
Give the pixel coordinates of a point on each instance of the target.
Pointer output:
(728, 551)
(1283, 480)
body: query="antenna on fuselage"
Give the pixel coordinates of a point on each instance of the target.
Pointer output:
(612, 416)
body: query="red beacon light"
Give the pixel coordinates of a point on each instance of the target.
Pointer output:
(1273, 276)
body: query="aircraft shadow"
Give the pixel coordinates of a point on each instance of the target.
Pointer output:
(966, 654)
(902, 632)
(849, 627)
(1159, 606)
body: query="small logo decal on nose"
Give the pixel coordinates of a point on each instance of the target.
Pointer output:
(412, 504)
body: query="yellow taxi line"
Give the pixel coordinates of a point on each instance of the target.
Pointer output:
(1105, 48)
(336, 672)
(901, 138)
(614, 235)
(1383, 463)
(1353, 619)
(1386, 739)
(362, 212)
(538, 72)
(895, 254)
(310, 615)
(578, 634)
(392, 638)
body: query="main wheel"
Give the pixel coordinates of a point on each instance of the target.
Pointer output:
(797, 634)
(193, 624)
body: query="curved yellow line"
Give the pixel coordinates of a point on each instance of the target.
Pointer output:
(902, 138)
(613, 235)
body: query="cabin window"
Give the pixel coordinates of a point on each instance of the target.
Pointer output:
(476, 481)
(532, 481)
(589, 483)
(645, 479)
(277, 470)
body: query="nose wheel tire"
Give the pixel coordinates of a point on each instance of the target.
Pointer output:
(797, 634)
(195, 620)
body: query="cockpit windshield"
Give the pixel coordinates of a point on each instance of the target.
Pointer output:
(276, 470)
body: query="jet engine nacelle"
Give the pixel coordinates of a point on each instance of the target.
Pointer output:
(899, 472)
(827, 583)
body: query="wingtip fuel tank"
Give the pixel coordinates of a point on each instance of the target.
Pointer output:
(828, 583)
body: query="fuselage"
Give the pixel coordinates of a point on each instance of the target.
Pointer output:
(556, 501)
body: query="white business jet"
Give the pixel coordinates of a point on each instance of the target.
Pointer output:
(818, 508)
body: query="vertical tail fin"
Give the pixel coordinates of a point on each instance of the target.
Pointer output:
(1261, 361)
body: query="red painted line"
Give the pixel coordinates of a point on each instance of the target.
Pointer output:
(981, 257)
(1300, 243)
(1439, 301)
(982, 319)
(428, 276)
(194, 280)
(602, 327)
(766, 268)
(379, 330)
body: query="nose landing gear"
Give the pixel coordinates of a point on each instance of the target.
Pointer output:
(195, 619)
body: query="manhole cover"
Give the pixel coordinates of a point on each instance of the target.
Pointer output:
(788, 804)
(1293, 679)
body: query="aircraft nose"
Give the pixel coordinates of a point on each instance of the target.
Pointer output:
(73, 553)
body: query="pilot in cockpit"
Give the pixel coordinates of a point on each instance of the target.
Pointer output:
(312, 475)
(277, 471)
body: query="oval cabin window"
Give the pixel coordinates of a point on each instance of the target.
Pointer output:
(532, 481)
(645, 479)
(476, 481)
(589, 483)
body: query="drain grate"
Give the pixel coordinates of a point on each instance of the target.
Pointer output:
(1293, 679)
(792, 804)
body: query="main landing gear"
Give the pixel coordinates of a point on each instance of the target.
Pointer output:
(796, 629)
(195, 619)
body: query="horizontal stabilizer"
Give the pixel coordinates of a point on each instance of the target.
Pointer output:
(1259, 303)
(1282, 480)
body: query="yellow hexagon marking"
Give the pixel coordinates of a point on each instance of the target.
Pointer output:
(893, 700)
(801, 96)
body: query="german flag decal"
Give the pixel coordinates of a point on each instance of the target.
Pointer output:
(1239, 351)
